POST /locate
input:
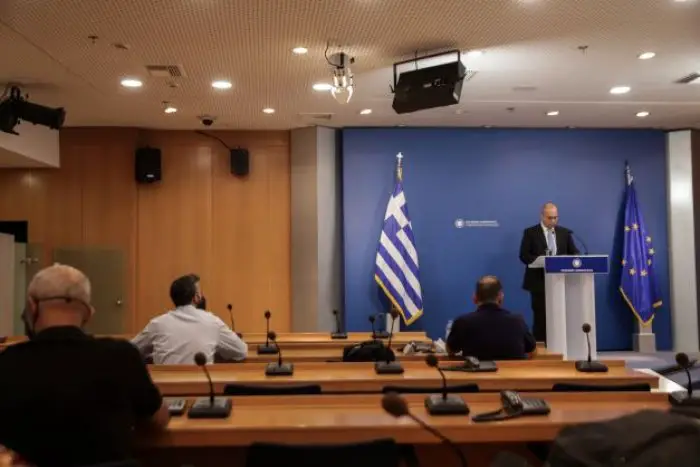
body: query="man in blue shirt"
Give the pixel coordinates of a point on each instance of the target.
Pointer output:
(490, 332)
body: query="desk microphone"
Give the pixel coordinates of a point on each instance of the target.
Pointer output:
(590, 366)
(377, 334)
(338, 334)
(684, 398)
(395, 405)
(443, 404)
(580, 240)
(229, 307)
(278, 368)
(267, 349)
(389, 367)
(209, 407)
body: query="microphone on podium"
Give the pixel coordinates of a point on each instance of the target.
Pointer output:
(229, 307)
(588, 365)
(278, 368)
(209, 407)
(338, 334)
(684, 398)
(395, 405)
(443, 404)
(580, 240)
(377, 334)
(267, 349)
(390, 366)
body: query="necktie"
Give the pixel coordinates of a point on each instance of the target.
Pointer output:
(551, 244)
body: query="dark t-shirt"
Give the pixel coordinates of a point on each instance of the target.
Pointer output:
(491, 333)
(68, 399)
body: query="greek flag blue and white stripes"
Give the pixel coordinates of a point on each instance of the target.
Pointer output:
(396, 265)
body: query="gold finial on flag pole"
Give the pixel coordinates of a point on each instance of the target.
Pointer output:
(399, 166)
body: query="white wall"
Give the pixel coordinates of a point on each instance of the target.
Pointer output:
(681, 235)
(35, 146)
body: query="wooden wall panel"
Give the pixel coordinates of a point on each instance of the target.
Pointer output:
(233, 232)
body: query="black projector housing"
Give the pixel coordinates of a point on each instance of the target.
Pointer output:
(427, 88)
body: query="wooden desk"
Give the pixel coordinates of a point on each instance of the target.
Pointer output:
(330, 354)
(354, 418)
(530, 375)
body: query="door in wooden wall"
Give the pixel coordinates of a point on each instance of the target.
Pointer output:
(105, 268)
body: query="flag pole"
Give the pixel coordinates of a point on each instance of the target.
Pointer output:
(392, 325)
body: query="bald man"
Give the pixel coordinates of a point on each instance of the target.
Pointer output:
(544, 239)
(68, 399)
(490, 332)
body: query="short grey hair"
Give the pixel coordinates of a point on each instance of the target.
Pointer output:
(62, 281)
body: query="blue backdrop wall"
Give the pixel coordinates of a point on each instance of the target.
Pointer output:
(502, 175)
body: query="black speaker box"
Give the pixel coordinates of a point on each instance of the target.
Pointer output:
(426, 88)
(240, 162)
(147, 166)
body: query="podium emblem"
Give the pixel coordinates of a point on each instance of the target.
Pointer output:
(576, 263)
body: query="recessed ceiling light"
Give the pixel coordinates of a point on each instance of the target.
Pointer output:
(269, 110)
(620, 90)
(221, 84)
(552, 113)
(131, 83)
(475, 53)
(322, 87)
(365, 111)
(642, 114)
(170, 109)
(646, 55)
(300, 50)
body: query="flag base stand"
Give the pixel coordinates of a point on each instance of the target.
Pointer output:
(644, 339)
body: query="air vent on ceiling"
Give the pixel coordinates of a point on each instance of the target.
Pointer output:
(524, 88)
(691, 78)
(165, 71)
(316, 115)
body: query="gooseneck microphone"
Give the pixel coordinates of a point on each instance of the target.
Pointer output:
(267, 349)
(390, 366)
(395, 405)
(684, 398)
(209, 407)
(278, 368)
(588, 365)
(229, 307)
(338, 334)
(372, 319)
(580, 240)
(443, 404)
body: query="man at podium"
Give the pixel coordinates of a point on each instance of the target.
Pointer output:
(544, 239)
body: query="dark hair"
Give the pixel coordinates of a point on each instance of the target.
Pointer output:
(183, 289)
(487, 289)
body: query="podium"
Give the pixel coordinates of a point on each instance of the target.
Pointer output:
(570, 298)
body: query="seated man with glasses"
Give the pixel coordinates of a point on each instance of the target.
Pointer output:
(66, 398)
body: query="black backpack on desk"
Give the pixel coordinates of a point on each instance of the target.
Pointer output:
(648, 438)
(368, 351)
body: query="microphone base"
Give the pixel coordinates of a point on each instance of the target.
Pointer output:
(275, 369)
(453, 404)
(339, 335)
(380, 335)
(484, 367)
(681, 399)
(388, 368)
(203, 408)
(584, 366)
(267, 349)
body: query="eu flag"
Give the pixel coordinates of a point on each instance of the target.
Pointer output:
(638, 281)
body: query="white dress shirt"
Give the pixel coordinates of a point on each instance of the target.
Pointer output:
(175, 337)
(546, 231)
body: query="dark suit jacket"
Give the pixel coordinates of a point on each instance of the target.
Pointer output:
(491, 333)
(534, 244)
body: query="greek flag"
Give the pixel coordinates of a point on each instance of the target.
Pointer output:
(396, 266)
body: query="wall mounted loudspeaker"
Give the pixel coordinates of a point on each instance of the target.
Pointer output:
(240, 162)
(147, 167)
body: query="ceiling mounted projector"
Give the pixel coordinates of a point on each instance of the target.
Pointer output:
(439, 85)
(16, 108)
